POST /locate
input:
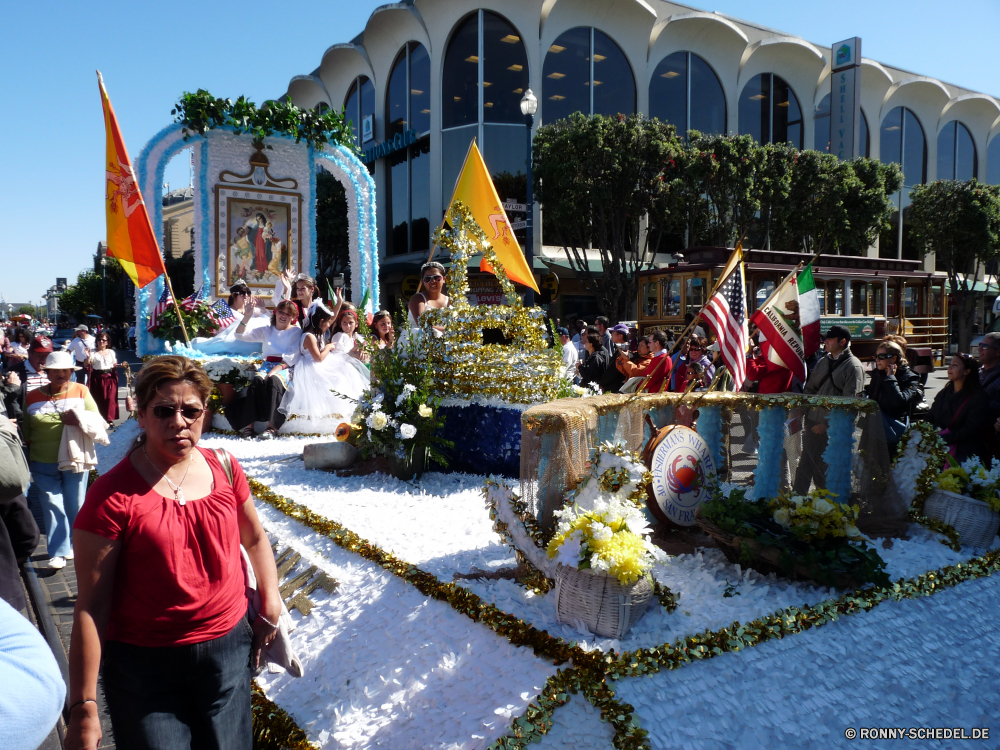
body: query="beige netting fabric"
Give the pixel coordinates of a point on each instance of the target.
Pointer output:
(557, 439)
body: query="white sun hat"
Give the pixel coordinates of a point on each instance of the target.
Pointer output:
(60, 361)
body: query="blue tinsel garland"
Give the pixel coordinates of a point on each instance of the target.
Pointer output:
(710, 428)
(770, 436)
(839, 453)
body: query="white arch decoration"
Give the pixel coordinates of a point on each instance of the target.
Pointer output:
(339, 160)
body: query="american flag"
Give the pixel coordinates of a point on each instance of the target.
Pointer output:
(189, 303)
(164, 302)
(222, 314)
(726, 314)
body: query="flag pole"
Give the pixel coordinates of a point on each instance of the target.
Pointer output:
(180, 318)
(686, 332)
(430, 257)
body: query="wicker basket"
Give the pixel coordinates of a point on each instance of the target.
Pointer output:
(765, 559)
(975, 523)
(599, 601)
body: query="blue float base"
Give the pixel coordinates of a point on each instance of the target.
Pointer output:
(487, 438)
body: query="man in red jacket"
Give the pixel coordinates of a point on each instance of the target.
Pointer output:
(773, 378)
(657, 369)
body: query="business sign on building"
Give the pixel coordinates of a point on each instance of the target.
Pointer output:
(367, 128)
(861, 328)
(394, 144)
(484, 289)
(845, 99)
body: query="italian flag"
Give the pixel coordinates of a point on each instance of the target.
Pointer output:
(808, 310)
(790, 322)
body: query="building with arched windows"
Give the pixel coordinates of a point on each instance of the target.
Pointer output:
(425, 77)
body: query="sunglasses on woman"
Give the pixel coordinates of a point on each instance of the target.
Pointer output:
(190, 413)
(883, 355)
(430, 279)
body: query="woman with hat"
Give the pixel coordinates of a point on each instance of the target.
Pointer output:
(46, 410)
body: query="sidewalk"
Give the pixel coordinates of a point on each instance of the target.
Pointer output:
(59, 590)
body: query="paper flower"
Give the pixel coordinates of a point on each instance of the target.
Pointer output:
(377, 420)
(782, 517)
(407, 431)
(425, 411)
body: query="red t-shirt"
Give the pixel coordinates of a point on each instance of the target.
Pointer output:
(180, 577)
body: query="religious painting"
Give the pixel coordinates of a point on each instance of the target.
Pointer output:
(258, 237)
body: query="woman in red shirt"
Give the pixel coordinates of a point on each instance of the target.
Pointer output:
(162, 587)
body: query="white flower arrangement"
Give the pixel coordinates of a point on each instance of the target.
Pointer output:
(230, 371)
(613, 470)
(407, 431)
(377, 420)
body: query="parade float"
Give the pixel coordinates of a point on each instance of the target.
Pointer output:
(637, 579)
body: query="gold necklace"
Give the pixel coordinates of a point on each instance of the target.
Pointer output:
(178, 493)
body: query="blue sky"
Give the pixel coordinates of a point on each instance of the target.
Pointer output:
(52, 187)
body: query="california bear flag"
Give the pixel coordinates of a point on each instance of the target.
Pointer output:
(790, 322)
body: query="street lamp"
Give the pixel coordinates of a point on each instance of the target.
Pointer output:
(529, 105)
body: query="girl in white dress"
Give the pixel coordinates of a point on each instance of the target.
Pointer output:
(347, 340)
(432, 298)
(325, 380)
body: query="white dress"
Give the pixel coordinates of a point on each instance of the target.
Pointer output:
(225, 341)
(311, 397)
(414, 329)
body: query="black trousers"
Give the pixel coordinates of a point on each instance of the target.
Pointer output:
(259, 404)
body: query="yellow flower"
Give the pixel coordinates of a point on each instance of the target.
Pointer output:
(950, 483)
(424, 411)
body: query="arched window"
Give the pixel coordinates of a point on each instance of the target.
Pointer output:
(902, 142)
(956, 153)
(360, 104)
(821, 142)
(485, 54)
(685, 92)
(586, 71)
(993, 162)
(770, 112)
(407, 174)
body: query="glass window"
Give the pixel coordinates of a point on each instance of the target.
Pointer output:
(765, 287)
(484, 42)
(460, 76)
(993, 162)
(821, 293)
(956, 153)
(770, 112)
(911, 302)
(678, 78)
(651, 297)
(420, 199)
(614, 84)
(359, 104)
(936, 297)
(398, 209)
(566, 75)
(396, 100)
(876, 298)
(859, 298)
(866, 149)
(407, 172)
(570, 74)
(420, 88)
(891, 310)
(671, 297)
(903, 143)
(694, 294)
(832, 297)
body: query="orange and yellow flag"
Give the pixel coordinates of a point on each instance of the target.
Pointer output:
(475, 189)
(130, 233)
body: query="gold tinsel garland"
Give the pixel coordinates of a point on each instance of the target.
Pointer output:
(273, 728)
(592, 672)
(525, 371)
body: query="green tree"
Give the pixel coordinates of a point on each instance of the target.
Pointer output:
(831, 206)
(26, 310)
(730, 172)
(597, 179)
(332, 243)
(960, 223)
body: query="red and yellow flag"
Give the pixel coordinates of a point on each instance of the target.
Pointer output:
(475, 189)
(130, 233)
